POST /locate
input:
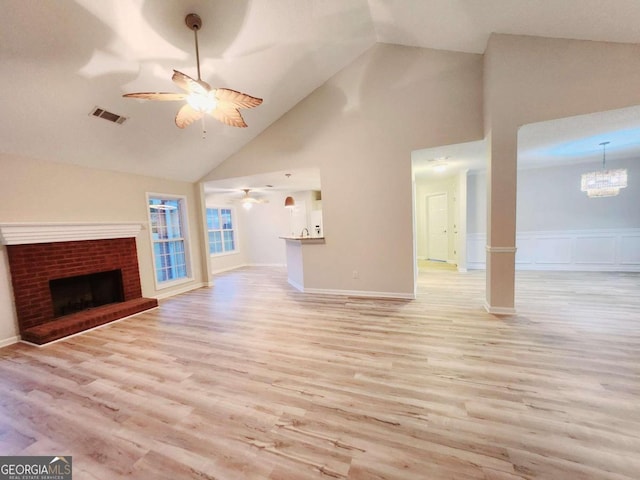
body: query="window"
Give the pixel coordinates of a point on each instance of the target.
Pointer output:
(222, 234)
(168, 234)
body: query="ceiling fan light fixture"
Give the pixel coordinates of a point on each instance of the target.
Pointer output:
(203, 103)
(223, 104)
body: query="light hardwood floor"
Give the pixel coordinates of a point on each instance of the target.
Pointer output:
(253, 380)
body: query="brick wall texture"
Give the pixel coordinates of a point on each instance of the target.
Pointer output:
(33, 265)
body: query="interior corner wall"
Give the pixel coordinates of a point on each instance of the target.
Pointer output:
(40, 191)
(264, 224)
(225, 262)
(359, 129)
(477, 203)
(260, 230)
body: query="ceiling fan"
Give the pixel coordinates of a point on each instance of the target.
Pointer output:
(222, 104)
(247, 201)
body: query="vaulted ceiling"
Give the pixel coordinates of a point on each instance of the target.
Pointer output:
(62, 58)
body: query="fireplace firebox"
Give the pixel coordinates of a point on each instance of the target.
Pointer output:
(82, 292)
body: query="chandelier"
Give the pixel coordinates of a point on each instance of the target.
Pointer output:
(604, 183)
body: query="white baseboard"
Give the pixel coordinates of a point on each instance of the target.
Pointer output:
(295, 285)
(499, 310)
(361, 293)
(9, 341)
(185, 289)
(242, 265)
(228, 269)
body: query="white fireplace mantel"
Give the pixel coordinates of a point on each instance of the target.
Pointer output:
(26, 233)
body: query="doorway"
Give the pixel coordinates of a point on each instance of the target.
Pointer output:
(437, 228)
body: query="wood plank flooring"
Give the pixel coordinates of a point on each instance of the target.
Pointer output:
(253, 380)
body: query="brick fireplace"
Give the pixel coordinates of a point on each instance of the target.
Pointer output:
(36, 264)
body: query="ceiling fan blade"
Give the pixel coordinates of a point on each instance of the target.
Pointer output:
(229, 116)
(189, 84)
(187, 115)
(237, 99)
(161, 96)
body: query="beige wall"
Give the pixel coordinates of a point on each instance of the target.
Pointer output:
(360, 128)
(41, 191)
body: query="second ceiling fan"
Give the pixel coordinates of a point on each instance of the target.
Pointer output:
(222, 104)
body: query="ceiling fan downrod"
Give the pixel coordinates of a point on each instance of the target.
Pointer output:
(194, 22)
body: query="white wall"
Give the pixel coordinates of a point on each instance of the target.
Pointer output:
(360, 128)
(477, 202)
(550, 199)
(559, 227)
(263, 226)
(40, 191)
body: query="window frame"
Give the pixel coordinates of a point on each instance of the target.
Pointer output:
(184, 227)
(234, 229)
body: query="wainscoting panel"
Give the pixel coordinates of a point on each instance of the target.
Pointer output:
(630, 249)
(476, 251)
(577, 250)
(601, 249)
(552, 250)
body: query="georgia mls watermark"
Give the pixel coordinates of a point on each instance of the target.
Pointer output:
(35, 468)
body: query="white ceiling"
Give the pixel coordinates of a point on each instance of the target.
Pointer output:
(60, 58)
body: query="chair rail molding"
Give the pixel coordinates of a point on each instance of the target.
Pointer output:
(593, 250)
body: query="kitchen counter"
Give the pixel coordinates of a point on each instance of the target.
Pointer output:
(305, 240)
(299, 251)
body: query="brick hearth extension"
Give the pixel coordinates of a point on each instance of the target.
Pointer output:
(33, 265)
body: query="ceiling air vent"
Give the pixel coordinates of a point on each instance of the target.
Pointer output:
(112, 117)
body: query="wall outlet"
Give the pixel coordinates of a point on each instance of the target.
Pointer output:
(355, 274)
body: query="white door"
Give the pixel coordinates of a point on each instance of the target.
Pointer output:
(437, 235)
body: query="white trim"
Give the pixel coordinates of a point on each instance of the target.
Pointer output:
(296, 285)
(27, 233)
(184, 217)
(234, 230)
(87, 330)
(188, 288)
(235, 267)
(228, 269)
(462, 270)
(359, 293)
(499, 310)
(491, 249)
(5, 342)
(221, 254)
(589, 250)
